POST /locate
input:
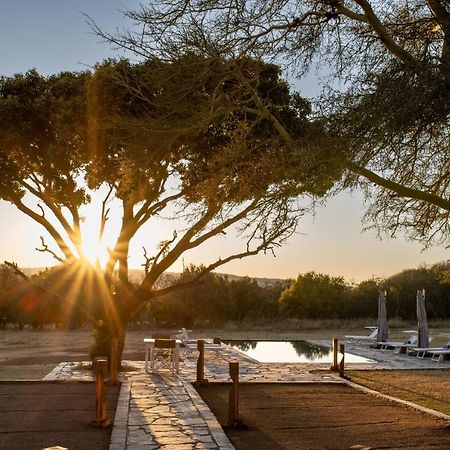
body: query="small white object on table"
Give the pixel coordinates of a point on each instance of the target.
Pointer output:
(150, 348)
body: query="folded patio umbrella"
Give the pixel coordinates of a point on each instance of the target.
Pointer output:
(422, 326)
(383, 328)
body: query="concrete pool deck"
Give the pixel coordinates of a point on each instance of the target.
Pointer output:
(163, 411)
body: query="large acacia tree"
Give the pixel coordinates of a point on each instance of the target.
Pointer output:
(389, 120)
(170, 138)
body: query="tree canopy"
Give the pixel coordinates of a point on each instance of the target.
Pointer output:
(389, 120)
(177, 138)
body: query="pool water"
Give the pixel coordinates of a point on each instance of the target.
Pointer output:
(291, 352)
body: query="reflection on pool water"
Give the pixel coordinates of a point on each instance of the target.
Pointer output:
(291, 352)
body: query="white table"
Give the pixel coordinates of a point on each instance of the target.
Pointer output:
(150, 348)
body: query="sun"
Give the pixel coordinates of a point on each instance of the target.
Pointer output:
(96, 244)
(95, 252)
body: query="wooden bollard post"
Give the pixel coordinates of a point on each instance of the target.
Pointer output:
(233, 411)
(101, 417)
(201, 363)
(113, 362)
(100, 396)
(335, 366)
(342, 363)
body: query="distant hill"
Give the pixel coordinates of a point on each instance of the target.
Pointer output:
(137, 275)
(261, 281)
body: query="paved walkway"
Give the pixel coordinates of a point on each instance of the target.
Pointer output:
(163, 411)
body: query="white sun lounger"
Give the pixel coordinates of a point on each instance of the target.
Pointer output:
(422, 352)
(371, 337)
(411, 342)
(438, 355)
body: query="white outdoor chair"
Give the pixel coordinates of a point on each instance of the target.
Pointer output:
(183, 335)
(189, 345)
(163, 355)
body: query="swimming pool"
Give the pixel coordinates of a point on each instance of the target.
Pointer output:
(290, 352)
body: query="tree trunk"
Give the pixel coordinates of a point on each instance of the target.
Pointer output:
(112, 317)
(121, 335)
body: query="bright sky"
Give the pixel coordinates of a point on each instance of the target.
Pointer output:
(51, 36)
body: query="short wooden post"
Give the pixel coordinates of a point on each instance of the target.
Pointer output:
(100, 396)
(201, 362)
(342, 363)
(233, 413)
(335, 346)
(233, 400)
(101, 417)
(114, 359)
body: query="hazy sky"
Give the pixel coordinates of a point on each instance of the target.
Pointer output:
(51, 36)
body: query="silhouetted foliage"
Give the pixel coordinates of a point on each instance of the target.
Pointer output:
(214, 301)
(388, 125)
(403, 286)
(317, 296)
(159, 136)
(314, 296)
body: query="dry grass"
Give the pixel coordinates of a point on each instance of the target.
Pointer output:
(429, 388)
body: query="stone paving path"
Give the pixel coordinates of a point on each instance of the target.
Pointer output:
(163, 411)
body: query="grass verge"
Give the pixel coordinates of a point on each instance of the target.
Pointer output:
(429, 388)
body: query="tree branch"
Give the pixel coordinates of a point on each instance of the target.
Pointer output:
(46, 197)
(223, 225)
(48, 226)
(441, 14)
(288, 27)
(400, 190)
(385, 37)
(341, 9)
(148, 210)
(104, 214)
(45, 249)
(161, 292)
(181, 246)
(148, 261)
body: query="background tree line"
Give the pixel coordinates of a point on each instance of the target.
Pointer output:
(218, 300)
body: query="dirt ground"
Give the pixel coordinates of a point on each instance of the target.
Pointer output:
(35, 415)
(320, 416)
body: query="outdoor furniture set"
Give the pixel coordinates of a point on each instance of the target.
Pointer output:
(163, 351)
